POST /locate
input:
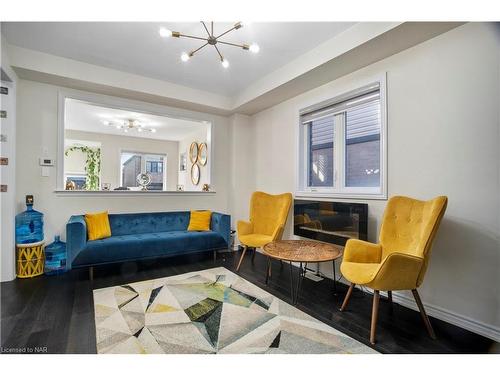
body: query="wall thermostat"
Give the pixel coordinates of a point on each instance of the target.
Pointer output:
(46, 162)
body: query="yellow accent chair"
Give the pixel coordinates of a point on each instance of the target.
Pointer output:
(268, 214)
(400, 259)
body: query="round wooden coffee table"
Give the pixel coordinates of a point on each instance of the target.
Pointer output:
(302, 252)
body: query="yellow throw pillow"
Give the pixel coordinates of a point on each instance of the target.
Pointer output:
(98, 225)
(199, 221)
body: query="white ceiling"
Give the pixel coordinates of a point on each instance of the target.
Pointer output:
(90, 118)
(137, 48)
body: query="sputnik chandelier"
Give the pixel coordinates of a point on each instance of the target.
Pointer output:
(129, 125)
(211, 39)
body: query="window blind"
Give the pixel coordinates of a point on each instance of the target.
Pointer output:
(352, 99)
(321, 133)
(363, 121)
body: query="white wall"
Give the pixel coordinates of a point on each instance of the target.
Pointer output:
(242, 169)
(111, 147)
(443, 138)
(8, 172)
(37, 129)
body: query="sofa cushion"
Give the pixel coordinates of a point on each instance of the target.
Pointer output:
(151, 222)
(97, 226)
(145, 245)
(199, 221)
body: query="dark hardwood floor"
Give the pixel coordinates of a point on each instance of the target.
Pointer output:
(55, 314)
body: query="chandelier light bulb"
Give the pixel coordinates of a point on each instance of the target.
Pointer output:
(164, 32)
(118, 127)
(225, 63)
(254, 48)
(125, 130)
(139, 130)
(185, 57)
(153, 130)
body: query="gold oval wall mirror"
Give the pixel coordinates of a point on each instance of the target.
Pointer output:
(193, 152)
(202, 153)
(195, 174)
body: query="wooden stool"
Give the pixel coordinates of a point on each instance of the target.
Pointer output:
(30, 259)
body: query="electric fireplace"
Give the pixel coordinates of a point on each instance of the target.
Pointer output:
(333, 222)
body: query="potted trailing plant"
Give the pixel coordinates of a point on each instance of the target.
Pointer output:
(92, 165)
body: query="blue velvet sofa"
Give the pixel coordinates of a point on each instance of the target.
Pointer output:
(143, 235)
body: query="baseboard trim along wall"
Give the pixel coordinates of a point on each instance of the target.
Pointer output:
(487, 330)
(448, 316)
(483, 329)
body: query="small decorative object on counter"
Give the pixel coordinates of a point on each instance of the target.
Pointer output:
(29, 224)
(143, 179)
(55, 257)
(206, 187)
(70, 185)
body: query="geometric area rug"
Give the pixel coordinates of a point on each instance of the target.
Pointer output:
(209, 311)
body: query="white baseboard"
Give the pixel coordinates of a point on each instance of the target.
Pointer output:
(483, 329)
(487, 330)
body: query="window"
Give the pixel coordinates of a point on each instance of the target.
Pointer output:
(77, 182)
(343, 147)
(134, 163)
(154, 166)
(321, 152)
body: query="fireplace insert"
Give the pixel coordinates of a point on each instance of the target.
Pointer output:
(333, 222)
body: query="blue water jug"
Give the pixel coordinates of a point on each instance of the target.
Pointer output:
(29, 224)
(55, 257)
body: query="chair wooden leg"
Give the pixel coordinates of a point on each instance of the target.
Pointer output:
(373, 329)
(268, 269)
(347, 297)
(389, 299)
(241, 257)
(423, 314)
(253, 254)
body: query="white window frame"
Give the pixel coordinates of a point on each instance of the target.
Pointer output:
(143, 164)
(339, 190)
